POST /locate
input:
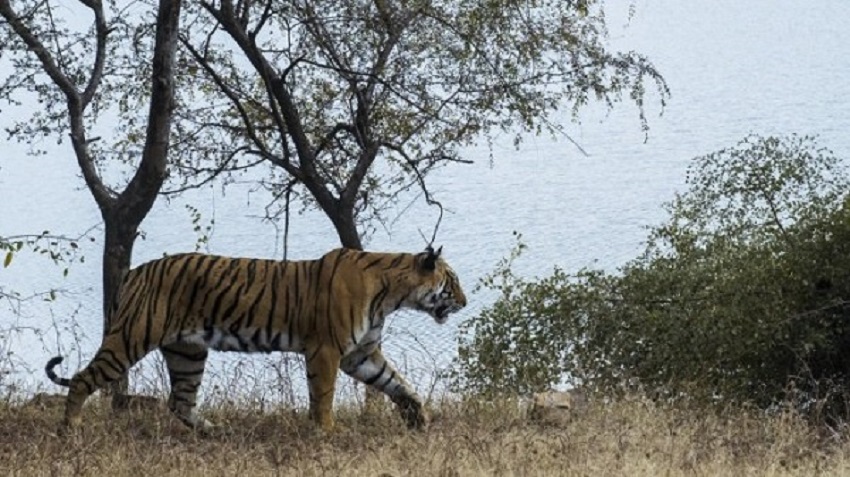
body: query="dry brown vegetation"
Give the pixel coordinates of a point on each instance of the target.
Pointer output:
(631, 437)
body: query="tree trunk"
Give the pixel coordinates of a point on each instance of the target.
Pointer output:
(346, 228)
(120, 235)
(126, 212)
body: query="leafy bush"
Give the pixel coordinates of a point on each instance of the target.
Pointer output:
(742, 294)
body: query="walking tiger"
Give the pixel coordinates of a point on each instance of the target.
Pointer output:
(331, 310)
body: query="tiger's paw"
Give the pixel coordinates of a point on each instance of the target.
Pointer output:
(330, 427)
(324, 433)
(68, 428)
(414, 416)
(205, 428)
(201, 426)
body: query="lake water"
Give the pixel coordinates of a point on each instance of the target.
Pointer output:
(761, 66)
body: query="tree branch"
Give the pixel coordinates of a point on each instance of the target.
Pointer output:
(102, 32)
(141, 192)
(414, 166)
(355, 180)
(215, 172)
(34, 44)
(394, 28)
(233, 97)
(264, 17)
(326, 140)
(276, 87)
(75, 102)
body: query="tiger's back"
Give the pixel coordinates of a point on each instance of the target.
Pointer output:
(224, 303)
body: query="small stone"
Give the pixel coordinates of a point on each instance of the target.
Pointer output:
(556, 407)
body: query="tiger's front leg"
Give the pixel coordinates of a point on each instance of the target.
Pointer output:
(373, 369)
(322, 368)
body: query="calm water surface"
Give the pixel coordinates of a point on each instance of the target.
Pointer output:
(768, 67)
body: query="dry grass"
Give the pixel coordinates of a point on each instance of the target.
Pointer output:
(627, 438)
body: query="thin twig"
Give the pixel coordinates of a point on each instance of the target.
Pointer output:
(286, 221)
(421, 179)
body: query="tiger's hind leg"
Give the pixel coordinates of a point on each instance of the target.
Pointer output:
(109, 364)
(185, 370)
(374, 370)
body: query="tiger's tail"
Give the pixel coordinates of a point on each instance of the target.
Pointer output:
(50, 374)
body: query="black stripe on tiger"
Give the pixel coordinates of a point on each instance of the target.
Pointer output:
(375, 304)
(376, 376)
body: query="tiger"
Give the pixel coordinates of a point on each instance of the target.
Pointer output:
(331, 310)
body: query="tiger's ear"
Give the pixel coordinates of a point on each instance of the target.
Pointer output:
(428, 259)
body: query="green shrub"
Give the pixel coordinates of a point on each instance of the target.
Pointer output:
(524, 341)
(741, 294)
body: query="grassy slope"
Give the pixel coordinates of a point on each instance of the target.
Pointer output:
(628, 438)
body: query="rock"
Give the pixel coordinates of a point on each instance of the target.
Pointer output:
(556, 407)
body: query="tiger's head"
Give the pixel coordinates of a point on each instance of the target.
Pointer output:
(438, 290)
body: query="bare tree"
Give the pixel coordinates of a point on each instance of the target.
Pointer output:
(353, 102)
(66, 69)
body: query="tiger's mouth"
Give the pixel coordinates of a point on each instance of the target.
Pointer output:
(442, 312)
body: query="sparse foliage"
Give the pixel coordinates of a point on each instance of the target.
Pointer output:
(60, 249)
